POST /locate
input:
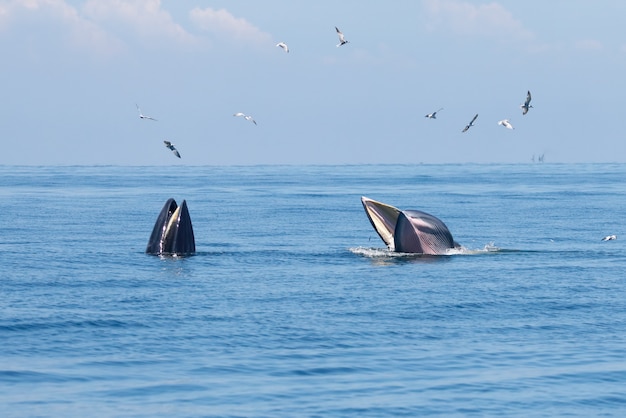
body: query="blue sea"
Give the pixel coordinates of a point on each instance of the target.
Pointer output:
(293, 307)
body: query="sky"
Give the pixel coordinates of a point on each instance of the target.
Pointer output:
(73, 72)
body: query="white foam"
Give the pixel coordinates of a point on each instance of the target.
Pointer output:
(384, 252)
(375, 252)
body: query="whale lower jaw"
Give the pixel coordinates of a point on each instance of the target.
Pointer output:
(173, 232)
(409, 231)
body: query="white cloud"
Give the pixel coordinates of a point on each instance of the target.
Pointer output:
(78, 30)
(145, 18)
(468, 18)
(4, 15)
(223, 24)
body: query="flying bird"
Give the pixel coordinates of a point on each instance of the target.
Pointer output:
(283, 46)
(434, 114)
(342, 40)
(526, 104)
(609, 238)
(246, 117)
(505, 123)
(141, 115)
(469, 125)
(171, 146)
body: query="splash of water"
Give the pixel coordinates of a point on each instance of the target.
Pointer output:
(384, 252)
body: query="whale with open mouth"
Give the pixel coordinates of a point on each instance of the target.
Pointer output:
(409, 231)
(172, 233)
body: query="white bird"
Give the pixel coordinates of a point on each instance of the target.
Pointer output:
(469, 125)
(283, 46)
(505, 123)
(434, 114)
(526, 104)
(246, 117)
(171, 146)
(141, 115)
(609, 238)
(342, 40)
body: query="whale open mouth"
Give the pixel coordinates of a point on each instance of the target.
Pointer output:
(409, 231)
(383, 218)
(172, 233)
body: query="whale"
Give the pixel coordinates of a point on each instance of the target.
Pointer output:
(409, 231)
(172, 234)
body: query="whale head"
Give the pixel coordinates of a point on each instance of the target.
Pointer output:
(173, 232)
(409, 231)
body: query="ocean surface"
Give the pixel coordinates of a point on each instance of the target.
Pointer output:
(293, 307)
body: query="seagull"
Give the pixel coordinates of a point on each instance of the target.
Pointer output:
(434, 114)
(526, 104)
(141, 115)
(342, 40)
(609, 238)
(506, 123)
(469, 125)
(172, 147)
(246, 117)
(283, 46)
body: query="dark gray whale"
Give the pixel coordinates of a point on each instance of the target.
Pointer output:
(409, 231)
(172, 233)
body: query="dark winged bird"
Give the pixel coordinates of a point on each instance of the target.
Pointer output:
(526, 104)
(469, 125)
(172, 147)
(434, 114)
(342, 39)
